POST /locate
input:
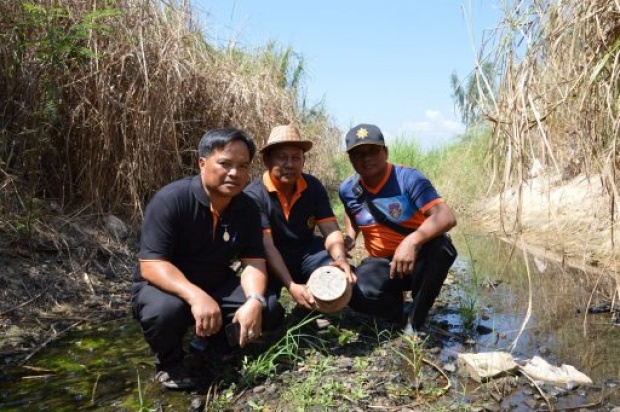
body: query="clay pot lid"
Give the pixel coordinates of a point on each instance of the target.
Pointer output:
(329, 286)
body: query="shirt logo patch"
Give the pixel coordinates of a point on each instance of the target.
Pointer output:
(396, 210)
(311, 222)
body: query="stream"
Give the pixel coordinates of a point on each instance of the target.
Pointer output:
(109, 366)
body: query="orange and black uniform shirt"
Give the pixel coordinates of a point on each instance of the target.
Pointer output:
(292, 225)
(181, 227)
(403, 196)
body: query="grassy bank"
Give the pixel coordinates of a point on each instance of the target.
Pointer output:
(104, 102)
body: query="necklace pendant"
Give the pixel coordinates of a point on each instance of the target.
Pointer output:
(226, 236)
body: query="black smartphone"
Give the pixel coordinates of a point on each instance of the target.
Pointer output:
(233, 333)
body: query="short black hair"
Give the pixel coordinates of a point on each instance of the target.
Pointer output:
(218, 138)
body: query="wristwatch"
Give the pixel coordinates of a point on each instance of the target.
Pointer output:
(258, 297)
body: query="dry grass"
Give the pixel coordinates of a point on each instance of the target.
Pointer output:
(558, 107)
(102, 106)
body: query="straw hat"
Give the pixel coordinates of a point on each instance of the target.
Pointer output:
(330, 289)
(288, 134)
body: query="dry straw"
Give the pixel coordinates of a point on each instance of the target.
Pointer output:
(114, 107)
(558, 104)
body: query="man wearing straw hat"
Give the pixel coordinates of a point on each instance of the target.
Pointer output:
(404, 222)
(193, 230)
(292, 205)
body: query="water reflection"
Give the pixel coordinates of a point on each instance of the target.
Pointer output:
(95, 368)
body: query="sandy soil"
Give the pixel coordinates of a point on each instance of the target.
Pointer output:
(569, 222)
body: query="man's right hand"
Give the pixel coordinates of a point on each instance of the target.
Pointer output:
(207, 314)
(301, 295)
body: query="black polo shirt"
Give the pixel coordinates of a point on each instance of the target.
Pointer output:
(310, 206)
(179, 227)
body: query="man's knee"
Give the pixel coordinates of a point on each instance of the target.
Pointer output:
(156, 308)
(440, 250)
(373, 278)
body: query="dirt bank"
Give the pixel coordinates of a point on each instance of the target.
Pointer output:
(65, 271)
(566, 221)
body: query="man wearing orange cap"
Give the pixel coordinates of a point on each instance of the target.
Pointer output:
(404, 222)
(292, 205)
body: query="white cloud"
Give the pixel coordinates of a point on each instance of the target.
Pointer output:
(432, 114)
(433, 130)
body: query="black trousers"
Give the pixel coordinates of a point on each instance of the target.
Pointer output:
(165, 318)
(377, 295)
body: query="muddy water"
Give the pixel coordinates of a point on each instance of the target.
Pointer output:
(528, 305)
(109, 366)
(568, 320)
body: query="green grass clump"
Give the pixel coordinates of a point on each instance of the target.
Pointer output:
(288, 350)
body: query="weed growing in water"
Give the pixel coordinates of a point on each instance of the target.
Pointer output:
(468, 298)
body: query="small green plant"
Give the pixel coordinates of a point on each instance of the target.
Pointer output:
(468, 310)
(255, 407)
(286, 350)
(344, 335)
(141, 406)
(221, 401)
(414, 356)
(468, 301)
(313, 392)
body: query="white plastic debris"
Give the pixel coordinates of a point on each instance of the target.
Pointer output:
(486, 365)
(564, 376)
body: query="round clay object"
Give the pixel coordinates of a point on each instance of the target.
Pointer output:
(330, 289)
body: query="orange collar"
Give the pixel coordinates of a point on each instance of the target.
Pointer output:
(272, 186)
(384, 179)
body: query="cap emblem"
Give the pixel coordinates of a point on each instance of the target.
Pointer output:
(362, 133)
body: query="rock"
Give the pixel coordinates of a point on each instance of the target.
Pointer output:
(486, 365)
(345, 363)
(196, 405)
(258, 389)
(116, 227)
(449, 367)
(544, 351)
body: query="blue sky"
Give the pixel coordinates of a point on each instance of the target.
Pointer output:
(387, 63)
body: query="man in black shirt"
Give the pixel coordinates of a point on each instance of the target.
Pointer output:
(193, 230)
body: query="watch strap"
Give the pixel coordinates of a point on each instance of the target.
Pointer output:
(258, 297)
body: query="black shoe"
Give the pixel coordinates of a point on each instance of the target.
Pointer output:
(175, 377)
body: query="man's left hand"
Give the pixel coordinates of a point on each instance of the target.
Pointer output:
(249, 316)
